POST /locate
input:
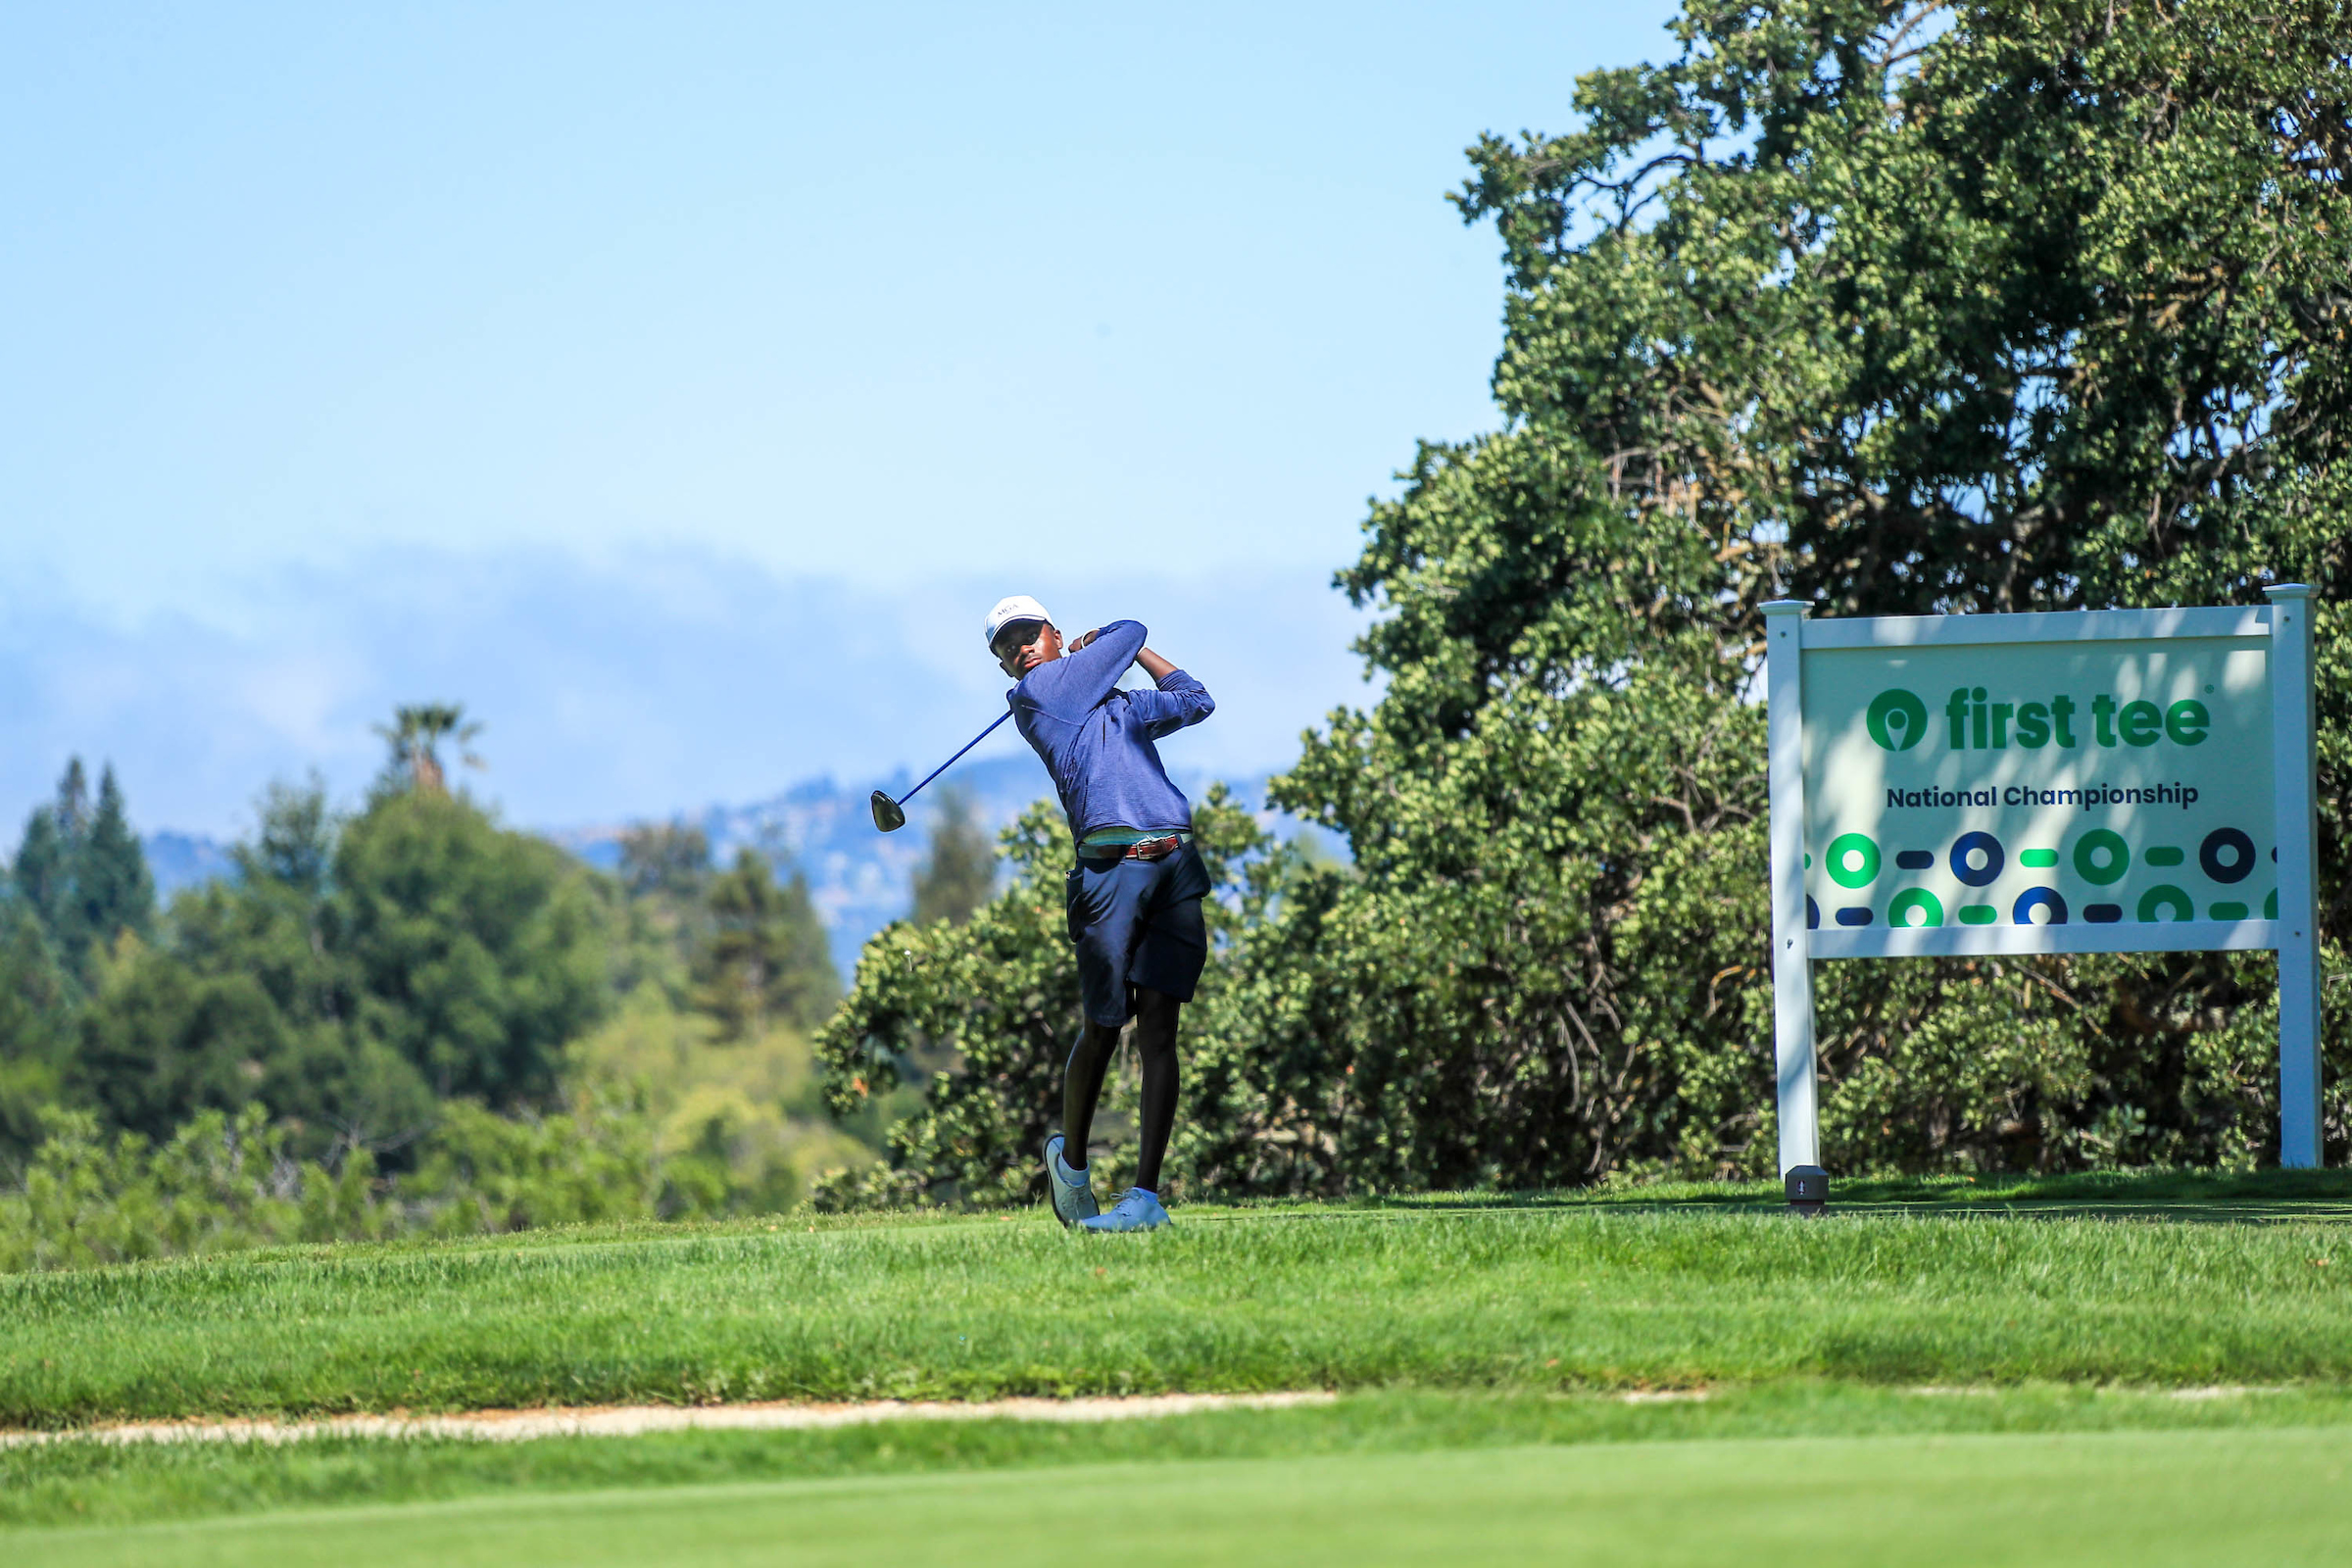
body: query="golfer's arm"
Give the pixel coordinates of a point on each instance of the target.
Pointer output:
(1157, 667)
(1082, 681)
(1175, 701)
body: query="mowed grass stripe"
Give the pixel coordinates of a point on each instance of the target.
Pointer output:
(1252, 1301)
(2145, 1498)
(79, 1481)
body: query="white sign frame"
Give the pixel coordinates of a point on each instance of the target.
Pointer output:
(2285, 621)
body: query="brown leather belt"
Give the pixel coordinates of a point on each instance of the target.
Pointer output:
(1159, 849)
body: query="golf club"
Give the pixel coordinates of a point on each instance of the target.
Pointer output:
(890, 815)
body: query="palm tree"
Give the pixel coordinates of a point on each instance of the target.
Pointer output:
(416, 735)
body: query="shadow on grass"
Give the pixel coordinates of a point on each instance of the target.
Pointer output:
(2166, 1193)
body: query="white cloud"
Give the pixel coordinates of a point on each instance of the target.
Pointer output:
(640, 683)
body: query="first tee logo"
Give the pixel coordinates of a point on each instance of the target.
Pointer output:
(1897, 719)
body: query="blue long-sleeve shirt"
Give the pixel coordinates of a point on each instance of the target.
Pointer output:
(1096, 738)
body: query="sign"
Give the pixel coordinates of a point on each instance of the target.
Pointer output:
(2105, 781)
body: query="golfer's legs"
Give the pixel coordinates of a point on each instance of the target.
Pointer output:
(1156, 1015)
(1082, 1086)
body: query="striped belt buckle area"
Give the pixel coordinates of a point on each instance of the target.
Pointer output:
(1155, 848)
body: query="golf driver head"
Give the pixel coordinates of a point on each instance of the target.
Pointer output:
(887, 815)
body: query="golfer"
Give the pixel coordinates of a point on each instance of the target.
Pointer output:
(1134, 897)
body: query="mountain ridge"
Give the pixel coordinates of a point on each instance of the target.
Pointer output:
(859, 879)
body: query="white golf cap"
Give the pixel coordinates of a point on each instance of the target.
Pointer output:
(1013, 608)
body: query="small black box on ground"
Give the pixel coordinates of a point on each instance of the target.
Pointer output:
(1808, 1188)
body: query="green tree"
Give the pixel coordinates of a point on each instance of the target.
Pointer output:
(662, 915)
(80, 870)
(416, 736)
(486, 1174)
(35, 1030)
(293, 846)
(163, 1040)
(959, 871)
(216, 1185)
(475, 951)
(113, 889)
(42, 874)
(764, 960)
(671, 858)
(250, 996)
(355, 974)
(1898, 308)
(49, 857)
(339, 1081)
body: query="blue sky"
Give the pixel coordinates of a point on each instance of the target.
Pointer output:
(676, 385)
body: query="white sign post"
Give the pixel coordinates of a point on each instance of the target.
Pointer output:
(2102, 781)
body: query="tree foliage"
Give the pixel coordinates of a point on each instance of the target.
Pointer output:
(413, 741)
(36, 1016)
(476, 948)
(738, 1124)
(219, 1183)
(765, 960)
(1891, 306)
(355, 974)
(405, 1018)
(80, 871)
(668, 860)
(1898, 309)
(959, 867)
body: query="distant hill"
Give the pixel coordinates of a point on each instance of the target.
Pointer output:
(183, 860)
(860, 880)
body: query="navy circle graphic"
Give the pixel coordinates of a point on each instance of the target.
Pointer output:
(2239, 848)
(1968, 844)
(2038, 897)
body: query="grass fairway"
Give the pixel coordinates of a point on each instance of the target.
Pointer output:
(1941, 1372)
(79, 1482)
(2143, 1498)
(1709, 1289)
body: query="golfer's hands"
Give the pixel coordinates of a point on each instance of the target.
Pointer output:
(1157, 667)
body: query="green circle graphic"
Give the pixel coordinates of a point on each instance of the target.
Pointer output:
(1896, 720)
(2165, 901)
(1846, 844)
(1927, 906)
(2087, 849)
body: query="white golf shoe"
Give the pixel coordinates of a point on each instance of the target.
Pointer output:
(1073, 1200)
(1135, 1210)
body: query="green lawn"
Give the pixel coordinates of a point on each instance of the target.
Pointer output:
(80, 1482)
(1993, 1369)
(1660, 1291)
(2273, 1497)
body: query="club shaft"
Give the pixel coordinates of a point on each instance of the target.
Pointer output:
(950, 762)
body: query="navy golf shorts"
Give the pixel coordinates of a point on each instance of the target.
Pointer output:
(1137, 923)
